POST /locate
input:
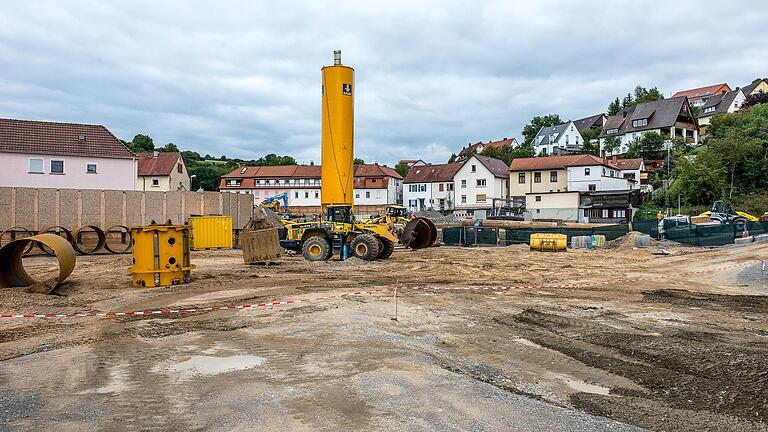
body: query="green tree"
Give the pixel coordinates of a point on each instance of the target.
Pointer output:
(591, 142)
(275, 160)
(508, 153)
(611, 144)
(627, 101)
(698, 182)
(650, 146)
(402, 168)
(141, 143)
(614, 107)
(532, 128)
(359, 161)
(169, 148)
(452, 159)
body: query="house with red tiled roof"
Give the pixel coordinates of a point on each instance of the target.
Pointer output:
(478, 147)
(162, 171)
(698, 96)
(481, 180)
(42, 154)
(430, 186)
(566, 187)
(374, 184)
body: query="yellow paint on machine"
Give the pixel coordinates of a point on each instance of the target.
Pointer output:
(549, 242)
(160, 255)
(338, 128)
(211, 232)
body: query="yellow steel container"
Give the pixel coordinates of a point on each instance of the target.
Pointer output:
(549, 242)
(338, 128)
(160, 255)
(211, 232)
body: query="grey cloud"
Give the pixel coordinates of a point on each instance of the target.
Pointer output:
(242, 77)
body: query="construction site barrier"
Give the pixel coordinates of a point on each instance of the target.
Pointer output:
(523, 235)
(470, 236)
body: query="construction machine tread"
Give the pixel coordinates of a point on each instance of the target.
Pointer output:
(365, 246)
(387, 247)
(316, 249)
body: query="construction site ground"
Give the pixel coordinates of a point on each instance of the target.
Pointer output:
(612, 339)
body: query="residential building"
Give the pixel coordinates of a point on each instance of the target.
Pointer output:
(721, 103)
(698, 96)
(551, 186)
(634, 169)
(671, 118)
(479, 181)
(377, 185)
(374, 184)
(162, 171)
(596, 121)
(557, 140)
(478, 147)
(41, 154)
(756, 86)
(412, 162)
(430, 186)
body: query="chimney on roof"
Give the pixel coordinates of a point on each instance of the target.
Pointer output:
(615, 160)
(311, 163)
(82, 137)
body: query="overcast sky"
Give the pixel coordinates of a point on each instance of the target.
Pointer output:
(242, 78)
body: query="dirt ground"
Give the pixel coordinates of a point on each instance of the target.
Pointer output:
(613, 339)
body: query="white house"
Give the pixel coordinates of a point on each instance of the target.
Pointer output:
(374, 184)
(479, 181)
(671, 118)
(720, 103)
(42, 154)
(559, 139)
(430, 186)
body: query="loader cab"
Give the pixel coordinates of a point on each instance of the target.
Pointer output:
(339, 214)
(397, 212)
(723, 208)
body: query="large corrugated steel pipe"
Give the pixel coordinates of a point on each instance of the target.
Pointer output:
(77, 241)
(125, 239)
(419, 233)
(13, 274)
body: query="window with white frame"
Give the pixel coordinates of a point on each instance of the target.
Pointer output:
(422, 188)
(640, 122)
(57, 166)
(36, 166)
(317, 195)
(463, 183)
(450, 186)
(463, 199)
(155, 182)
(296, 195)
(474, 168)
(521, 178)
(367, 194)
(709, 109)
(90, 168)
(481, 183)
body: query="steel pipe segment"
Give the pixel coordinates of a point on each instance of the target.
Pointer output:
(101, 239)
(12, 230)
(419, 233)
(128, 244)
(12, 273)
(55, 230)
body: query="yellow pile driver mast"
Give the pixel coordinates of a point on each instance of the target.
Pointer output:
(338, 126)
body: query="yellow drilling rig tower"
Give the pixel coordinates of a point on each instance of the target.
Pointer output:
(337, 231)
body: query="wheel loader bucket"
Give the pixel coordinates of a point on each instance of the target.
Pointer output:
(420, 233)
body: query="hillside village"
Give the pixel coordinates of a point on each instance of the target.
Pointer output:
(599, 168)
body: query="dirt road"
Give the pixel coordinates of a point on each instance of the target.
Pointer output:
(617, 339)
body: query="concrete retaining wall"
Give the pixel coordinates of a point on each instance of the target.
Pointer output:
(36, 209)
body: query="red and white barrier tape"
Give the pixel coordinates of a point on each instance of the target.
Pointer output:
(277, 303)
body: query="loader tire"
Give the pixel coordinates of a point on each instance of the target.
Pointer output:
(316, 249)
(387, 247)
(365, 247)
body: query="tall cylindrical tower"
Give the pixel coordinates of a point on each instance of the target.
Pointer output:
(338, 123)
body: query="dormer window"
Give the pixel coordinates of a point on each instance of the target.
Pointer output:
(709, 109)
(612, 131)
(640, 122)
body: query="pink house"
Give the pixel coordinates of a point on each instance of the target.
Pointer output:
(41, 154)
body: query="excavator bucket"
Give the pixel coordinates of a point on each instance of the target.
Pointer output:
(420, 233)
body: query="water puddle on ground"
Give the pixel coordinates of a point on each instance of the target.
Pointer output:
(581, 386)
(210, 365)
